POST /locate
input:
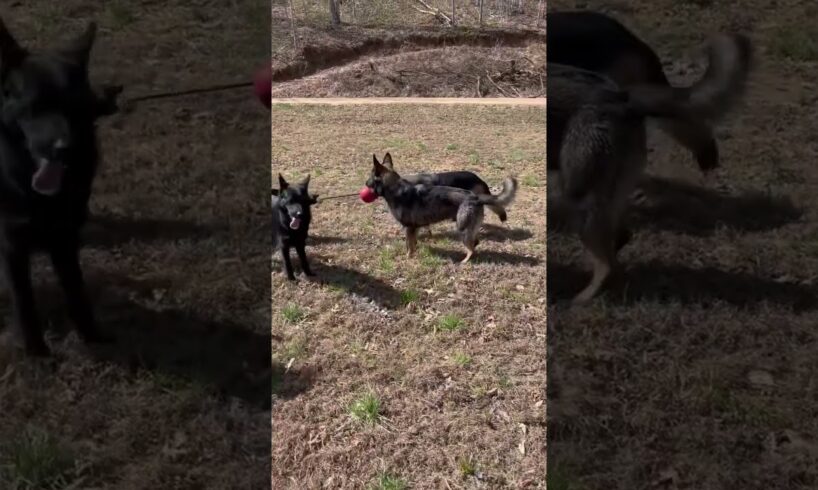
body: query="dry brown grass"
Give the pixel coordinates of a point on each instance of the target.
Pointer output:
(454, 355)
(700, 372)
(174, 256)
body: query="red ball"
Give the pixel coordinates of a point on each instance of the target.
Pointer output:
(263, 85)
(368, 195)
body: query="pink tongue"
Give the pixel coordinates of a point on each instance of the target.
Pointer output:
(48, 178)
(295, 223)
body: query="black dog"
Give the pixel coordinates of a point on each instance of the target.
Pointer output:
(48, 160)
(291, 222)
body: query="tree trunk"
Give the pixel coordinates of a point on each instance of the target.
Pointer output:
(292, 23)
(453, 13)
(481, 13)
(334, 12)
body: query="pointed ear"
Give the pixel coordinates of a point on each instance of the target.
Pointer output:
(79, 48)
(378, 168)
(282, 184)
(11, 53)
(306, 182)
(387, 161)
(314, 198)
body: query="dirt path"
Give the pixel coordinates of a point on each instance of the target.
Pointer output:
(413, 100)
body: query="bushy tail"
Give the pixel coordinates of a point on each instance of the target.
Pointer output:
(720, 89)
(505, 197)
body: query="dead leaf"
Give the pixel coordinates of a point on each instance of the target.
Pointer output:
(761, 378)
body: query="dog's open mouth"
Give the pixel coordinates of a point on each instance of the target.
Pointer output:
(48, 177)
(295, 223)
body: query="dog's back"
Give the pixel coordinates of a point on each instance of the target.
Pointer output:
(597, 42)
(462, 180)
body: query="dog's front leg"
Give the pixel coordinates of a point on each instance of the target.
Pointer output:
(17, 264)
(302, 256)
(285, 257)
(411, 240)
(65, 258)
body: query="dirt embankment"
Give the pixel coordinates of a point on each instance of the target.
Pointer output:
(315, 58)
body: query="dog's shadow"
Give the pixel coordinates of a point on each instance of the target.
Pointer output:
(491, 233)
(699, 211)
(325, 240)
(108, 230)
(223, 357)
(486, 257)
(654, 281)
(358, 283)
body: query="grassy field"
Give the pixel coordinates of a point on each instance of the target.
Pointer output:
(700, 372)
(176, 260)
(395, 372)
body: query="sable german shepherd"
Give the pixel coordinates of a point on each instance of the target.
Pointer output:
(597, 142)
(418, 205)
(292, 215)
(48, 160)
(599, 43)
(462, 180)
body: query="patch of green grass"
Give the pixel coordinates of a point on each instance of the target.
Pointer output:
(517, 155)
(451, 147)
(531, 181)
(796, 43)
(386, 481)
(461, 359)
(281, 106)
(295, 348)
(36, 460)
(450, 323)
(396, 143)
(422, 146)
(293, 313)
(386, 259)
(467, 467)
(429, 259)
(741, 410)
(121, 14)
(474, 158)
(409, 296)
(366, 408)
(495, 164)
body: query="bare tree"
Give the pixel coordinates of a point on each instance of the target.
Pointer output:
(540, 11)
(453, 21)
(334, 12)
(481, 12)
(291, 14)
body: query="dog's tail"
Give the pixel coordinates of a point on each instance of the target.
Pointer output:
(720, 89)
(504, 198)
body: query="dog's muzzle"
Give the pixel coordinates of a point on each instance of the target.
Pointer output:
(47, 178)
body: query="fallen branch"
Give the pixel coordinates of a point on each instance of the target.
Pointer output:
(495, 84)
(433, 11)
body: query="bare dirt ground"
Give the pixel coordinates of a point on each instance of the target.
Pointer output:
(390, 49)
(178, 243)
(419, 372)
(700, 372)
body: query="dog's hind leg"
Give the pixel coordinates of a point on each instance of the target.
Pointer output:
(302, 256)
(17, 264)
(411, 240)
(288, 265)
(598, 237)
(469, 220)
(66, 261)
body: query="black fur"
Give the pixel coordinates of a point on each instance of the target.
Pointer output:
(47, 120)
(292, 202)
